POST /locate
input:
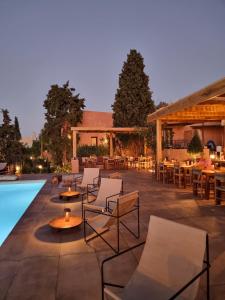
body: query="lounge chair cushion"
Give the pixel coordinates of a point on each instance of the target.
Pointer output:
(8, 177)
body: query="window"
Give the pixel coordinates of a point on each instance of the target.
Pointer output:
(94, 141)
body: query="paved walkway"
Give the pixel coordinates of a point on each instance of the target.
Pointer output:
(39, 263)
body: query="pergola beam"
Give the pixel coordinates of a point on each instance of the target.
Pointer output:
(158, 141)
(109, 130)
(210, 92)
(199, 112)
(205, 105)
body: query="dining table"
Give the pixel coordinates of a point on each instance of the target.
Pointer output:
(210, 180)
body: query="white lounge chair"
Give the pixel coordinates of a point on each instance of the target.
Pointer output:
(69, 179)
(109, 190)
(3, 169)
(105, 217)
(90, 176)
(170, 266)
(8, 177)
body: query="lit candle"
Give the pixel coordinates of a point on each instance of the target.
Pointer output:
(67, 214)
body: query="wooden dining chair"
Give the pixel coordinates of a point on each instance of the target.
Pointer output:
(198, 182)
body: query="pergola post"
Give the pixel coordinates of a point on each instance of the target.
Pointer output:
(158, 140)
(145, 146)
(110, 144)
(203, 134)
(74, 144)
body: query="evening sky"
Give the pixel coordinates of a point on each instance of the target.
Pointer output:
(46, 42)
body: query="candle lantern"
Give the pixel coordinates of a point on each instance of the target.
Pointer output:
(67, 214)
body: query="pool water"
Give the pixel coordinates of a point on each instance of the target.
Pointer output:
(14, 200)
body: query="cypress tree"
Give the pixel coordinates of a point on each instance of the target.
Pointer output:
(11, 150)
(17, 129)
(133, 100)
(6, 118)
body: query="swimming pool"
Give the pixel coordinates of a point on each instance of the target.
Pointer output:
(14, 200)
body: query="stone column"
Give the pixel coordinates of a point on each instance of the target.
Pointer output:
(74, 160)
(111, 144)
(158, 141)
(74, 144)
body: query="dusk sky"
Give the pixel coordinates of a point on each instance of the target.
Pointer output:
(46, 42)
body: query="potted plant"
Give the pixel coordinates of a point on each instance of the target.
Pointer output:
(195, 146)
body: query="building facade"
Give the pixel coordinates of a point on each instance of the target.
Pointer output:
(95, 119)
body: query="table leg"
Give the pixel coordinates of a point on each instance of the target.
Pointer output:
(207, 188)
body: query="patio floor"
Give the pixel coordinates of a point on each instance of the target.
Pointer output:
(37, 262)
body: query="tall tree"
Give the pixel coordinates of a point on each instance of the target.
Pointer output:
(133, 100)
(64, 109)
(11, 150)
(17, 129)
(6, 117)
(161, 104)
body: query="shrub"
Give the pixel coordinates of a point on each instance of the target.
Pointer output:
(64, 169)
(86, 150)
(195, 146)
(32, 166)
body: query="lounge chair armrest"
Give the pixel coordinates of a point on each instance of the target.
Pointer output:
(91, 187)
(122, 252)
(108, 207)
(107, 200)
(111, 294)
(110, 258)
(191, 281)
(95, 180)
(78, 178)
(91, 190)
(91, 207)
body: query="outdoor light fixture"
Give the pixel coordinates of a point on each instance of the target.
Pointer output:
(17, 169)
(40, 167)
(212, 156)
(105, 141)
(67, 214)
(69, 136)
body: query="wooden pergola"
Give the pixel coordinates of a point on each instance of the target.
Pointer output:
(109, 130)
(205, 105)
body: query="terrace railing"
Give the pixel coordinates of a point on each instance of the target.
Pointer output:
(177, 144)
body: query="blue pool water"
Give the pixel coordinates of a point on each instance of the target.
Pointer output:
(14, 200)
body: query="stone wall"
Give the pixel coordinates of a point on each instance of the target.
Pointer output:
(180, 154)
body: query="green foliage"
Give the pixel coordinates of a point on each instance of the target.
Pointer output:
(195, 146)
(133, 142)
(133, 100)
(36, 148)
(150, 136)
(161, 104)
(86, 150)
(17, 129)
(64, 109)
(64, 169)
(33, 165)
(11, 150)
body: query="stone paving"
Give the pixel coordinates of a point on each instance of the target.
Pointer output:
(37, 262)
